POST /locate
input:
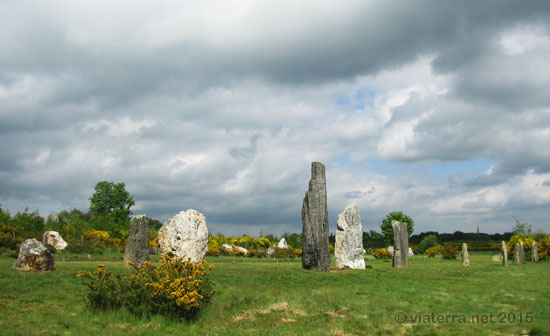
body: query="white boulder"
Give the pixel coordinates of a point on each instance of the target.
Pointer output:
(282, 244)
(185, 236)
(348, 248)
(54, 239)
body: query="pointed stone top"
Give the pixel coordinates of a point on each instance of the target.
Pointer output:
(140, 216)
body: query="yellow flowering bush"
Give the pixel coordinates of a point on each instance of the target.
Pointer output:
(432, 251)
(100, 238)
(105, 288)
(175, 288)
(381, 253)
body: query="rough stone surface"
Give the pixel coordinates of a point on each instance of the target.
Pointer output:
(54, 239)
(521, 254)
(390, 249)
(137, 245)
(185, 236)
(282, 244)
(504, 254)
(465, 255)
(271, 250)
(315, 229)
(33, 256)
(401, 241)
(534, 252)
(348, 247)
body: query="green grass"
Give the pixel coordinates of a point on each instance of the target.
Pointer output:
(265, 297)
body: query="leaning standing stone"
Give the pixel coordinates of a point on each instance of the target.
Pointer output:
(534, 252)
(465, 256)
(348, 248)
(282, 244)
(33, 256)
(401, 242)
(137, 245)
(504, 254)
(54, 239)
(315, 252)
(184, 236)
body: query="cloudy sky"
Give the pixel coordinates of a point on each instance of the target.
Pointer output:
(440, 109)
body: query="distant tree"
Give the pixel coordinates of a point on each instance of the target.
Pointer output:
(387, 228)
(114, 201)
(523, 229)
(373, 240)
(427, 242)
(30, 222)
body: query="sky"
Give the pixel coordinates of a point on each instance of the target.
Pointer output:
(439, 109)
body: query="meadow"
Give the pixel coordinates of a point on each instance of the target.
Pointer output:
(432, 296)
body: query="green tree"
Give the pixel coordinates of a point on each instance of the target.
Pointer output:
(387, 229)
(113, 200)
(427, 242)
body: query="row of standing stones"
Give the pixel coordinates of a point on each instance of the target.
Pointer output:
(519, 254)
(186, 236)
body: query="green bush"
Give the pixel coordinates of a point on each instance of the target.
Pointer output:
(427, 242)
(175, 289)
(256, 254)
(283, 253)
(449, 250)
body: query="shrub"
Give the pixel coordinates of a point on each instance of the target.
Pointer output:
(427, 242)
(432, 251)
(381, 253)
(213, 251)
(283, 253)
(449, 250)
(256, 254)
(105, 288)
(298, 252)
(176, 288)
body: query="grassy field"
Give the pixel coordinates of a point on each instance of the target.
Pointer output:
(265, 297)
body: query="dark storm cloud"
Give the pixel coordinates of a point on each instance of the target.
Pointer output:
(222, 106)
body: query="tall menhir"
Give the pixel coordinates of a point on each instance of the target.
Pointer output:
(315, 252)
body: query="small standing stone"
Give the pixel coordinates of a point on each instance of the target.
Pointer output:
(465, 256)
(348, 248)
(315, 229)
(137, 245)
(282, 244)
(504, 254)
(33, 256)
(534, 252)
(401, 242)
(521, 254)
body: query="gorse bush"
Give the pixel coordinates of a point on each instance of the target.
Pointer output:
(449, 250)
(432, 251)
(175, 288)
(381, 253)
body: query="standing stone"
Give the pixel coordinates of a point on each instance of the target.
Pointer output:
(315, 252)
(411, 253)
(521, 254)
(271, 250)
(465, 255)
(137, 245)
(54, 239)
(504, 254)
(184, 236)
(401, 242)
(348, 248)
(534, 252)
(390, 249)
(33, 256)
(282, 244)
